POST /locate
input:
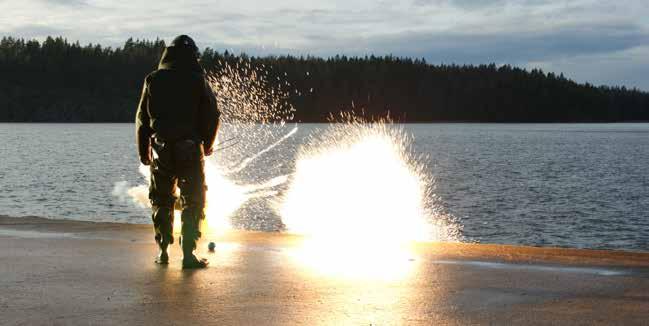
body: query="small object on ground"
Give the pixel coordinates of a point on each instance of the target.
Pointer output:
(211, 246)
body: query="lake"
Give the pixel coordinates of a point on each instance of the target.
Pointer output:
(567, 185)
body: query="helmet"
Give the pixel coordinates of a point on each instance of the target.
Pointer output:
(185, 41)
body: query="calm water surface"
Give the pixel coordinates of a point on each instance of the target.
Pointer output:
(570, 185)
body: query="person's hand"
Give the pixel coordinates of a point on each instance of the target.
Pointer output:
(209, 151)
(145, 160)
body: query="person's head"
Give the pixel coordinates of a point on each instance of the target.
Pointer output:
(185, 42)
(182, 53)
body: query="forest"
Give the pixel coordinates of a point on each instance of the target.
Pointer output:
(60, 81)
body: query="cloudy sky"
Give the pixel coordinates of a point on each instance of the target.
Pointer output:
(603, 42)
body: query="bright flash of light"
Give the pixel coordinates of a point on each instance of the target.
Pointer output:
(360, 198)
(223, 196)
(252, 107)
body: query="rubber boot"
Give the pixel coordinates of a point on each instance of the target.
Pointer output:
(163, 225)
(189, 260)
(163, 256)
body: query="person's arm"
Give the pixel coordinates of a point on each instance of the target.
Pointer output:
(210, 118)
(143, 130)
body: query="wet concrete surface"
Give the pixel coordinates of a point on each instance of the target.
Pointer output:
(66, 273)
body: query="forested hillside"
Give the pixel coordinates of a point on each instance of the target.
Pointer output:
(61, 81)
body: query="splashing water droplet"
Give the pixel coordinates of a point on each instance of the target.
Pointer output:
(249, 105)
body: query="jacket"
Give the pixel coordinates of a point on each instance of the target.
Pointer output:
(176, 103)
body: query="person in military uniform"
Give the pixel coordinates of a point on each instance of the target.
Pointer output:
(176, 124)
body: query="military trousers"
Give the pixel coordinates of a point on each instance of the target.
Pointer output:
(177, 165)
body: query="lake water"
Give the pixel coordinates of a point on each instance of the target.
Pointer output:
(568, 185)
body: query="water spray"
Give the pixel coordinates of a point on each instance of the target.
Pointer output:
(248, 103)
(359, 194)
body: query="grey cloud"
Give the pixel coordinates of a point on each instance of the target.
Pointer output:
(326, 17)
(478, 4)
(509, 47)
(628, 68)
(37, 31)
(75, 3)
(464, 4)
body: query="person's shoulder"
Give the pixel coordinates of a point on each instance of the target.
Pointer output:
(158, 75)
(174, 74)
(152, 75)
(195, 78)
(196, 75)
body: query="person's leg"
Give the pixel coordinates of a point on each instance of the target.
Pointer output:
(162, 195)
(191, 181)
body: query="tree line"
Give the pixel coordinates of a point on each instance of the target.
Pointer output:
(60, 81)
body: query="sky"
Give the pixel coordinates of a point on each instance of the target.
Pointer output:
(602, 42)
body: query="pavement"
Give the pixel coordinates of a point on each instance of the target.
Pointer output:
(55, 272)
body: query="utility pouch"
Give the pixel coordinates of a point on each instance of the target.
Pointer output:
(161, 154)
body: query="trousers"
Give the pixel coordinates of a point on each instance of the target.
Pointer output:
(177, 165)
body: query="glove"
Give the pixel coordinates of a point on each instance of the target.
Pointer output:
(209, 151)
(145, 160)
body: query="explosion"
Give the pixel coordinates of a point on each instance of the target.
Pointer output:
(224, 196)
(360, 197)
(357, 194)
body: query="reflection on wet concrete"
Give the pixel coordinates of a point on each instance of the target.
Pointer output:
(360, 263)
(270, 281)
(254, 279)
(540, 268)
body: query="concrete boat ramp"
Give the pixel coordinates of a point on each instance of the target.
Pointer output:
(69, 273)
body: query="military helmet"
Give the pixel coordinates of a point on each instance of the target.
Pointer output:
(185, 41)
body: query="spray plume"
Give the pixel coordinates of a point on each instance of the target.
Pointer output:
(251, 108)
(358, 192)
